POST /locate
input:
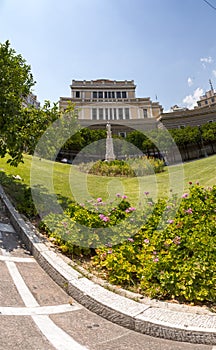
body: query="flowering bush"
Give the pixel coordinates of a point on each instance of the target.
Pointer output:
(132, 167)
(173, 257)
(163, 250)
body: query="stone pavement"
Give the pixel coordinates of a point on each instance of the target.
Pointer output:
(45, 308)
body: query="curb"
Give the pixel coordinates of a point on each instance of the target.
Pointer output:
(178, 324)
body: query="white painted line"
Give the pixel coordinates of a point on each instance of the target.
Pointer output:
(6, 228)
(22, 288)
(40, 310)
(56, 336)
(16, 259)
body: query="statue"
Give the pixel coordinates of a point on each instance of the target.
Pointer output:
(109, 144)
(109, 133)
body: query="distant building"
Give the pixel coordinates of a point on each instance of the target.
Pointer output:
(102, 100)
(204, 112)
(31, 100)
(209, 99)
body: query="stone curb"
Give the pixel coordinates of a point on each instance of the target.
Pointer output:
(163, 322)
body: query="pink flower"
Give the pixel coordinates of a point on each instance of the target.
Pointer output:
(155, 259)
(130, 239)
(118, 195)
(103, 217)
(110, 251)
(189, 211)
(124, 197)
(132, 208)
(154, 252)
(127, 211)
(99, 200)
(185, 195)
(146, 241)
(170, 221)
(146, 193)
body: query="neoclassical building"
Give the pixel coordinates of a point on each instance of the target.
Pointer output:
(102, 100)
(204, 112)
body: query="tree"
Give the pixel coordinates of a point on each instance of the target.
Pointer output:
(16, 81)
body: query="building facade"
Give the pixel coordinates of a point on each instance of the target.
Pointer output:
(204, 112)
(103, 100)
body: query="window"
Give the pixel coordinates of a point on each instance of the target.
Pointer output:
(110, 113)
(101, 113)
(122, 134)
(120, 112)
(118, 94)
(94, 94)
(113, 94)
(124, 95)
(206, 102)
(77, 94)
(127, 113)
(94, 113)
(105, 94)
(212, 99)
(114, 114)
(100, 94)
(109, 94)
(106, 113)
(145, 113)
(181, 126)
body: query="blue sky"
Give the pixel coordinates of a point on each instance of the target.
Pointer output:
(167, 47)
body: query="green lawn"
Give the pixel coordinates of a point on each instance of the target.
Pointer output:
(67, 181)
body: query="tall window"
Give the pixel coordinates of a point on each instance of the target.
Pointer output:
(127, 113)
(106, 113)
(114, 114)
(113, 94)
(94, 94)
(124, 95)
(111, 115)
(145, 113)
(101, 113)
(120, 112)
(77, 94)
(109, 94)
(118, 94)
(100, 94)
(94, 113)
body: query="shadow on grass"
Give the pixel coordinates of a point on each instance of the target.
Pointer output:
(20, 195)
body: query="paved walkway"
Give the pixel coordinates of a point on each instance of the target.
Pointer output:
(35, 313)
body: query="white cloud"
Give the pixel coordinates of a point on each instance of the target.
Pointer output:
(214, 73)
(190, 81)
(191, 100)
(205, 60)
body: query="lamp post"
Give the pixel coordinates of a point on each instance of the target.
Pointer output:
(202, 143)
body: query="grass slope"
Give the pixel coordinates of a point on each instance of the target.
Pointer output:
(67, 181)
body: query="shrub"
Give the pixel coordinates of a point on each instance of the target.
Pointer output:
(175, 258)
(153, 252)
(132, 167)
